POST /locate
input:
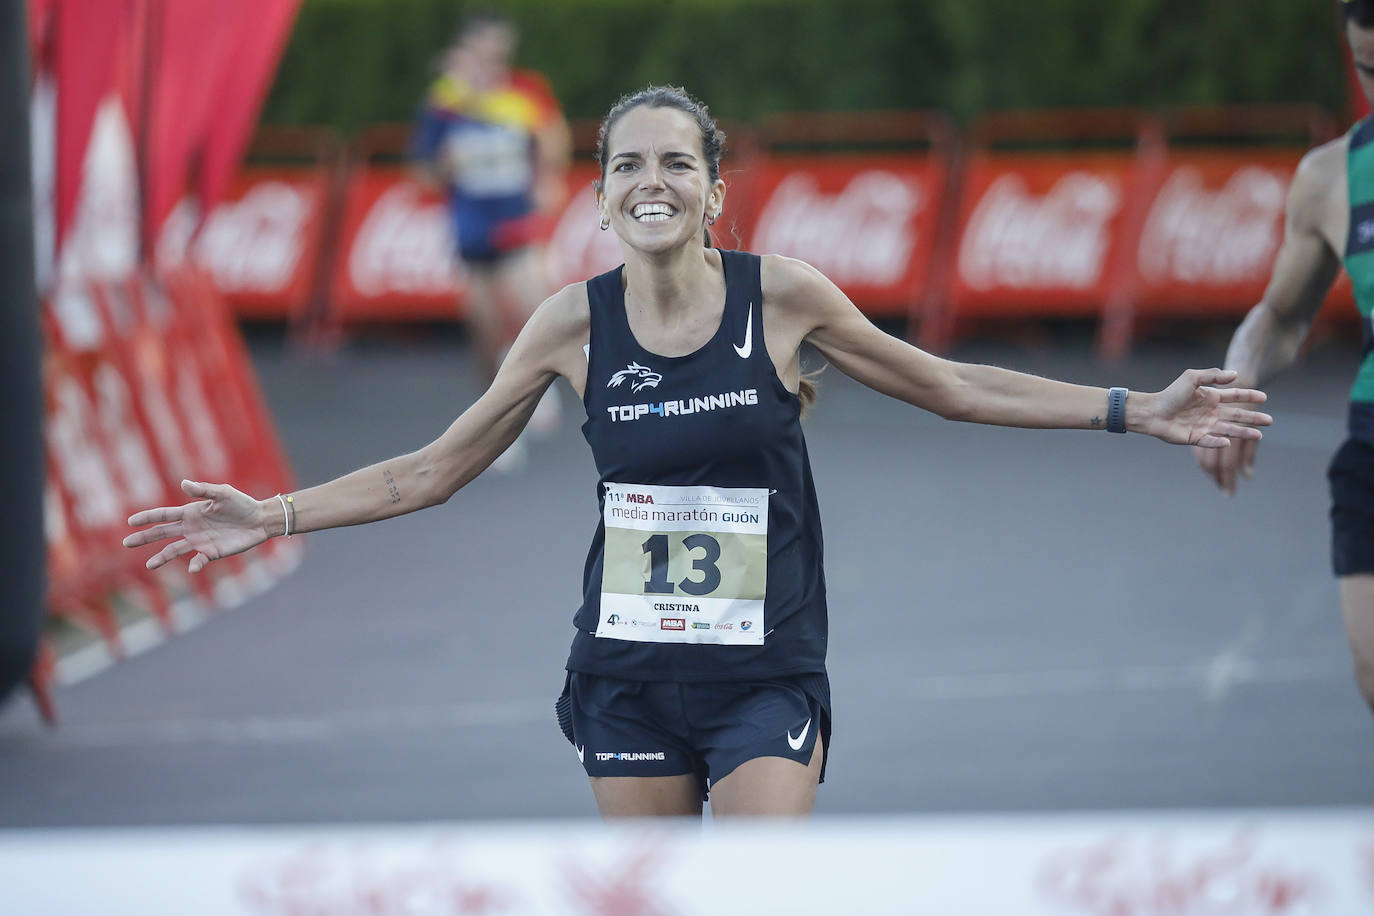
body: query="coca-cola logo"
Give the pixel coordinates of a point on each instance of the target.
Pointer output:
(256, 244)
(1163, 875)
(362, 880)
(864, 234)
(1228, 235)
(404, 246)
(578, 248)
(372, 879)
(1055, 241)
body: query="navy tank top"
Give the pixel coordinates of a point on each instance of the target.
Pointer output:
(706, 563)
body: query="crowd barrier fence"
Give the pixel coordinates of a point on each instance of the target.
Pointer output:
(1118, 216)
(146, 383)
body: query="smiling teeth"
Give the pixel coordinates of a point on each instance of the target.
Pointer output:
(652, 213)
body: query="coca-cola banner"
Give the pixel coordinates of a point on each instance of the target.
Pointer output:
(866, 222)
(395, 252)
(261, 245)
(1212, 230)
(1040, 230)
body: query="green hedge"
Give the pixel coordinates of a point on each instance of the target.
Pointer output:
(355, 62)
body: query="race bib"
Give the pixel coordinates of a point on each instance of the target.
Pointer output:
(489, 161)
(684, 564)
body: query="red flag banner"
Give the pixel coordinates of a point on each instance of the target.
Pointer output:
(91, 36)
(258, 30)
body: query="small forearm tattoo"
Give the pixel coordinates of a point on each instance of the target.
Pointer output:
(391, 486)
(1097, 421)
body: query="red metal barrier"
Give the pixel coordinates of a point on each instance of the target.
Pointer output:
(1210, 209)
(1212, 228)
(1045, 216)
(144, 385)
(867, 222)
(1039, 230)
(1117, 214)
(262, 246)
(395, 258)
(863, 196)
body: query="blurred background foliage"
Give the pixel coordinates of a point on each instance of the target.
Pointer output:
(355, 62)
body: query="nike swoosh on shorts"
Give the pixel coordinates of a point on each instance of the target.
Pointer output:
(797, 742)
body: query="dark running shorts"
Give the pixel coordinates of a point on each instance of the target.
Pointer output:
(485, 246)
(1351, 475)
(666, 728)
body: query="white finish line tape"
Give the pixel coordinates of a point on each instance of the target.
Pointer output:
(1235, 863)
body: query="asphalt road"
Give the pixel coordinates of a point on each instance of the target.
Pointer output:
(1021, 621)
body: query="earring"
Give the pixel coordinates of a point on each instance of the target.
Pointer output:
(605, 222)
(713, 217)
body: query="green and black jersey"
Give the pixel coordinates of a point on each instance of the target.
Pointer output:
(1359, 263)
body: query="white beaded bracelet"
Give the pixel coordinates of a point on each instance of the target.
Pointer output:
(286, 516)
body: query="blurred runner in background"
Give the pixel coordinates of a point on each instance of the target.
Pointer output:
(1330, 221)
(495, 139)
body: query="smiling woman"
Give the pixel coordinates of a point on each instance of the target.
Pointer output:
(706, 141)
(699, 644)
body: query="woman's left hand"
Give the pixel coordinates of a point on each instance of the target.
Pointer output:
(1192, 411)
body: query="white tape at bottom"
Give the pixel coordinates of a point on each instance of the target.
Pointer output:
(1235, 863)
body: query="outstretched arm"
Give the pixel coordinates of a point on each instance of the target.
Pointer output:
(225, 521)
(1190, 411)
(1269, 338)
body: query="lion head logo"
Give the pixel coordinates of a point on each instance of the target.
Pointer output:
(640, 377)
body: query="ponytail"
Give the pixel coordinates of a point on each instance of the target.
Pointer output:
(807, 388)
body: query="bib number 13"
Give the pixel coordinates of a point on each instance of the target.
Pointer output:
(704, 565)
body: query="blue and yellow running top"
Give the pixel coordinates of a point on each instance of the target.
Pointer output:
(483, 142)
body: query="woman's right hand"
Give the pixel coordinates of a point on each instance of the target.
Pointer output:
(222, 522)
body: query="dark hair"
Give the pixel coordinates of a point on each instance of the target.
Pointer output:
(1360, 12)
(712, 137)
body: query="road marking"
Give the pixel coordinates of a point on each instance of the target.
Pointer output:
(287, 729)
(1138, 678)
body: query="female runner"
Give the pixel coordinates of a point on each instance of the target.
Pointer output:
(698, 656)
